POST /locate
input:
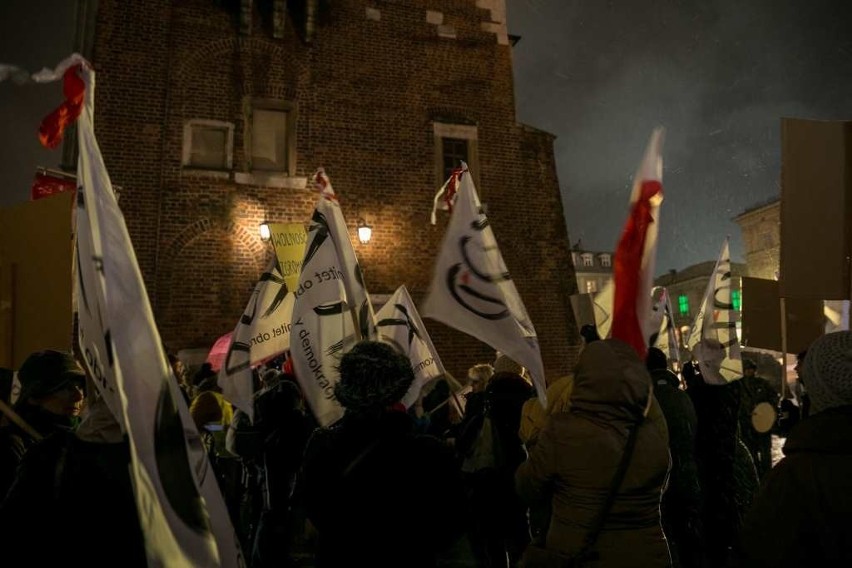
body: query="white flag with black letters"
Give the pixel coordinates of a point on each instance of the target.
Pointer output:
(332, 310)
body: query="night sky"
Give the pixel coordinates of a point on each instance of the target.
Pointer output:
(718, 74)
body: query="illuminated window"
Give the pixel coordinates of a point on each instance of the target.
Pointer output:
(736, 300)
(591, 287)
(683, 304)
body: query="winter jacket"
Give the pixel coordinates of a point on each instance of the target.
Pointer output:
(378, 494)
(681, 506)
(70, 492)
(578, 452)
(803, 513)
(14, 442)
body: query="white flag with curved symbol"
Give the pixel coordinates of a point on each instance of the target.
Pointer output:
(181, 511)
(473, 292)
(400, 325)
(713, 338)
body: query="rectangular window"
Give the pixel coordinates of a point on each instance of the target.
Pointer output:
(208, 144)
(455, 143)
(606, 261)
(269, 140)
(588, 260)
(683, 304)
(736, 300)
(454, 152)
(591, 286)
(270, 137)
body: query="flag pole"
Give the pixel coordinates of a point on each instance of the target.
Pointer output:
(20, 422)
(783, 346)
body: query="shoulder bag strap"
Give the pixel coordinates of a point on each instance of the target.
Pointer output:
(592, 535)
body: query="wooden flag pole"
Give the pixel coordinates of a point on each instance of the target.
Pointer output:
(783, 346)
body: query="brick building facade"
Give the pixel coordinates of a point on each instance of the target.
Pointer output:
(211, 115)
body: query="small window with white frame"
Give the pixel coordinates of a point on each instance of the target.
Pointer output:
(208, 145)
(606, 260)
(588, 259)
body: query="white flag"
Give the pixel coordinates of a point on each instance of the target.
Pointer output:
(400, 324)
(713, 338)
(473, 292)
(262, 333)
(182, 514)
(603, 301)
(663, 318)
(332, 310)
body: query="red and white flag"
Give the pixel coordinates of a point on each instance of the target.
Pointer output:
(181, 511)
(636, 253)
(473, 292)
(713, 338)
(400, 325)
(332, 310)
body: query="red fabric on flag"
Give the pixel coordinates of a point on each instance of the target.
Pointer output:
(452, 188)
(45, 185)
(628, 269)
(53, 126)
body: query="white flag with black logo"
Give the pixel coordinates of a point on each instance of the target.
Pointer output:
(472, 290)
(713, 338)
(181, 510)
(262, 333)
(332, 310)
(400, 325)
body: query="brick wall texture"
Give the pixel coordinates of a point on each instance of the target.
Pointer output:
(367, 87)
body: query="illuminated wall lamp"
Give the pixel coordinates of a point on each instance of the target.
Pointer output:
(365, 232)
(265, 232)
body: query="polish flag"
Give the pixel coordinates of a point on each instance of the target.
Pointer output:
(636, 253)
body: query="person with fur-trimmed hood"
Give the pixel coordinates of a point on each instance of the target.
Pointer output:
(378, 494)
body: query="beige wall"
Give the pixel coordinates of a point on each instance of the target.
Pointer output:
(36, 256)
(762, 240)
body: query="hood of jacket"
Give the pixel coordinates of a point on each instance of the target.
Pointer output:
(611, 383)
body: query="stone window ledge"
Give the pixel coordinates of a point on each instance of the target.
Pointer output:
(270, 180)
(196, 172)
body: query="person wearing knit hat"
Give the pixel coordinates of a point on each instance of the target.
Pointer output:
(828, 371)
(801, 516)
(378, 493)
(51, 399)
(373, 376)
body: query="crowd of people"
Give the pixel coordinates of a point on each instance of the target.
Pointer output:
(630, 464)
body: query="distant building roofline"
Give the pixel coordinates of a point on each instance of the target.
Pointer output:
(757, 208)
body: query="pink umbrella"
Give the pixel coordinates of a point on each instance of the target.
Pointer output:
(219, 351)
